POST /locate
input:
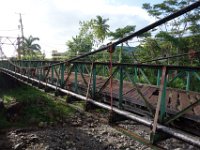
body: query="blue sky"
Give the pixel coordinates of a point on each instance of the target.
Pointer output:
(56, 21)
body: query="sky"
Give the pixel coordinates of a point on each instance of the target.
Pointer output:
(56, 21)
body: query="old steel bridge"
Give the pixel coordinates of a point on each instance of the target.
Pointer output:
(154, 102)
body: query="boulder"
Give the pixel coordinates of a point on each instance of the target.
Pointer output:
(13, 111)
(1, 105)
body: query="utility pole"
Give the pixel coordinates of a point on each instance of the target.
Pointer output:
(21, 25)
(20, 46)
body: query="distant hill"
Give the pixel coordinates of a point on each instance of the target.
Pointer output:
(127, 49)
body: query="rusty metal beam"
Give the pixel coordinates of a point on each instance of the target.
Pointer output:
(145, 121)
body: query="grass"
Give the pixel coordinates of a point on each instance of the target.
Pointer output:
(37, 107)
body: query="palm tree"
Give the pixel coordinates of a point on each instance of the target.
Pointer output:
(101, 28)
(30, 47)
(121, 33)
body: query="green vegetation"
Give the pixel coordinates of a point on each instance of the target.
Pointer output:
(181, 35)
(36, 107)
(29, 49)
(121, 33)
(178, 36)
(92, 34)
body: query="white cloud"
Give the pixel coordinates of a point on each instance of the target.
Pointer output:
(56, 21)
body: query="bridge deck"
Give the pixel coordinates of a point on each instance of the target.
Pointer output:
(176, 100)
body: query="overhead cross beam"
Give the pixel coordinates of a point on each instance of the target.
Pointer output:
(7, 40)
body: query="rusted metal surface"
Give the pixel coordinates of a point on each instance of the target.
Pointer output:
(184, 102)
(146, 121)
(176, 100)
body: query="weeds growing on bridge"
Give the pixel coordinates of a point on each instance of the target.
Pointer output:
(36, 107)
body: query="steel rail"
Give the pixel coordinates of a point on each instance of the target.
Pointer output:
(192, 139)
(169, 57)
(159, 66)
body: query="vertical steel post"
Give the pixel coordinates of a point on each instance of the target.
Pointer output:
(52, 74)
(135, 74)
(62, 69)
(121, 77)
(93, 80)
(75, 78)
(163, 100)
(103, 70)
(41, 72)
(37, 71)
(158, 77)
(160, 108)
(188, 81)
(83, 68)
(29, 69)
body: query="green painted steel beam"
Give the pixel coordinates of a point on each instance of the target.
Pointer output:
(147, 104)
(62, 73)
(52, 74)
(188, 81)
(158, 77)
(160, 108)
(180, 74)
(135, 74)
(76, 78)
(197, 75)
(108, 79)
(144, 75)
(94, 81)
(80, 70)
(163, 102)
(121, 77)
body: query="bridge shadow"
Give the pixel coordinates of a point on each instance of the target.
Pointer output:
(56, 137)
(5, 143)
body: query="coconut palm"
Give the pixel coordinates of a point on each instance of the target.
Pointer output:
(101, 28)
(121, 33)
(30, 47)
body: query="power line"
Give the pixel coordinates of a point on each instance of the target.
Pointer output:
(9, 30)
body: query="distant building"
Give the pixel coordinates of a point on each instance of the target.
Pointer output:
(58, 55)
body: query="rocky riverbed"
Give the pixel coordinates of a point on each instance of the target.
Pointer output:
(79, 132)
(76, 133)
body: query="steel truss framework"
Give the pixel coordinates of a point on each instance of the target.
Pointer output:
(120, 87)
(11, 41)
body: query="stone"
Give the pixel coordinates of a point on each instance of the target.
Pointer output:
(13, 111)
(1, 105)
(34, 138)
(19, 146)
(178, 149)
(14, 107)
(41, 124)
(104, 132)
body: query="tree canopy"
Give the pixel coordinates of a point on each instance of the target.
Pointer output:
(30, 48)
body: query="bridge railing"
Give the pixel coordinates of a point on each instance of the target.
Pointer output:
(97, 77)
(181, 77)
